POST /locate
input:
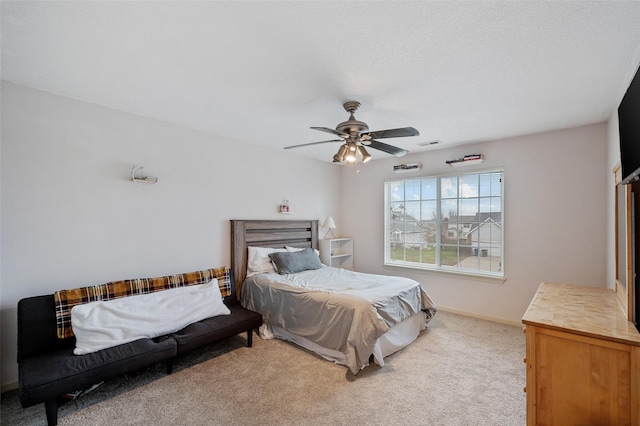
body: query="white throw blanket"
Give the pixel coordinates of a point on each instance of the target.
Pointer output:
(100, 325)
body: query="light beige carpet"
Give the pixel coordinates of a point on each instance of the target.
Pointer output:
(460, 371)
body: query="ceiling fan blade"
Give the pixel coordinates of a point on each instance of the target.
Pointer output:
(335, 132)
(394, 133)
(389, 149)
(312, 143)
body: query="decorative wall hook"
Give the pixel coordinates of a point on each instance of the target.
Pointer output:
(140, 176)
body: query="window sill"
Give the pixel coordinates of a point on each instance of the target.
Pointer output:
(450, 274)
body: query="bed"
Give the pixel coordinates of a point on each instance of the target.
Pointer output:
(343, 316)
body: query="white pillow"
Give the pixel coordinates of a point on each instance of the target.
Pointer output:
(104, 324)
(290, 249)
(258, 260)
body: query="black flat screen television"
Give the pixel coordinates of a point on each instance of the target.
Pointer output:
(629, 123)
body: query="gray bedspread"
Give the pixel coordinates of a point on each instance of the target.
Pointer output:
(335, 308)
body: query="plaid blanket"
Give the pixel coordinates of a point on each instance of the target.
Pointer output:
(67, 299)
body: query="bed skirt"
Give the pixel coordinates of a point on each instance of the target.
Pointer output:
(394, 339)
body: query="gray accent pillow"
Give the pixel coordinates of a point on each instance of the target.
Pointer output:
(296, 261)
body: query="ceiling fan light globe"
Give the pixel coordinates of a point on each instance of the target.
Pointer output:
(364, 154)
(339, 157)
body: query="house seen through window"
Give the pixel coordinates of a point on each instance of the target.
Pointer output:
(448, 223)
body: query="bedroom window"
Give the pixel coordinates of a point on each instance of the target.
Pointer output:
(451, 223)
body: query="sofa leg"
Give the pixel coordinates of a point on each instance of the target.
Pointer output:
(170, 366)
(51, 408)
(249, 338)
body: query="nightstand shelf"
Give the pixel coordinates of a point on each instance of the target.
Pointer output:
(337, 252)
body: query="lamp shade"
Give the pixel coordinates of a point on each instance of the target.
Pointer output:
(329, 223)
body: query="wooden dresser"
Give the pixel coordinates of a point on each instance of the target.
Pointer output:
(583, 358)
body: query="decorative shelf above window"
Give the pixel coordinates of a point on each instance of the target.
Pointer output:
(467, 160)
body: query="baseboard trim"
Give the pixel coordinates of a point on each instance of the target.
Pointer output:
(6, 387)
(479, 316)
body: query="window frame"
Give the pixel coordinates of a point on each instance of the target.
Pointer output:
(438, 267)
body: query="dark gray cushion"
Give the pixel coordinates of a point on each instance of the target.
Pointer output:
(49, 376)
(296, 261)
(216, 328)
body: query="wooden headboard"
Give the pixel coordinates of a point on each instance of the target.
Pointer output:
(267, 233)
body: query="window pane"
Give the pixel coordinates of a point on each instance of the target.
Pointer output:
(430, 228)
(468, 186)
(413, 235)
(449, 255)
(428, 254)
(496, 184)
(396, 191)
(496, 207)
(449, 187)
(469, 209)
(396, 251)
(491, 204)
(429, 189)
(490, 184)
(485, 184)
(397, 211)
(449, 209)
(428, 210)
(412, 210)
(412, 190)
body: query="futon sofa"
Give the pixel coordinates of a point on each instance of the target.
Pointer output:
(48, 368)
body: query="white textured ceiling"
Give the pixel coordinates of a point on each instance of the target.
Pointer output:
(264, 72)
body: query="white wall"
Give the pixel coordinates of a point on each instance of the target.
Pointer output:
(72, 217)
(556, 217)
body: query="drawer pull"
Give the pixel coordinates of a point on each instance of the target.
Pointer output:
(524, 359)
(524, 389)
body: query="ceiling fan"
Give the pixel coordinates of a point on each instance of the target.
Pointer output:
(355, 135)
